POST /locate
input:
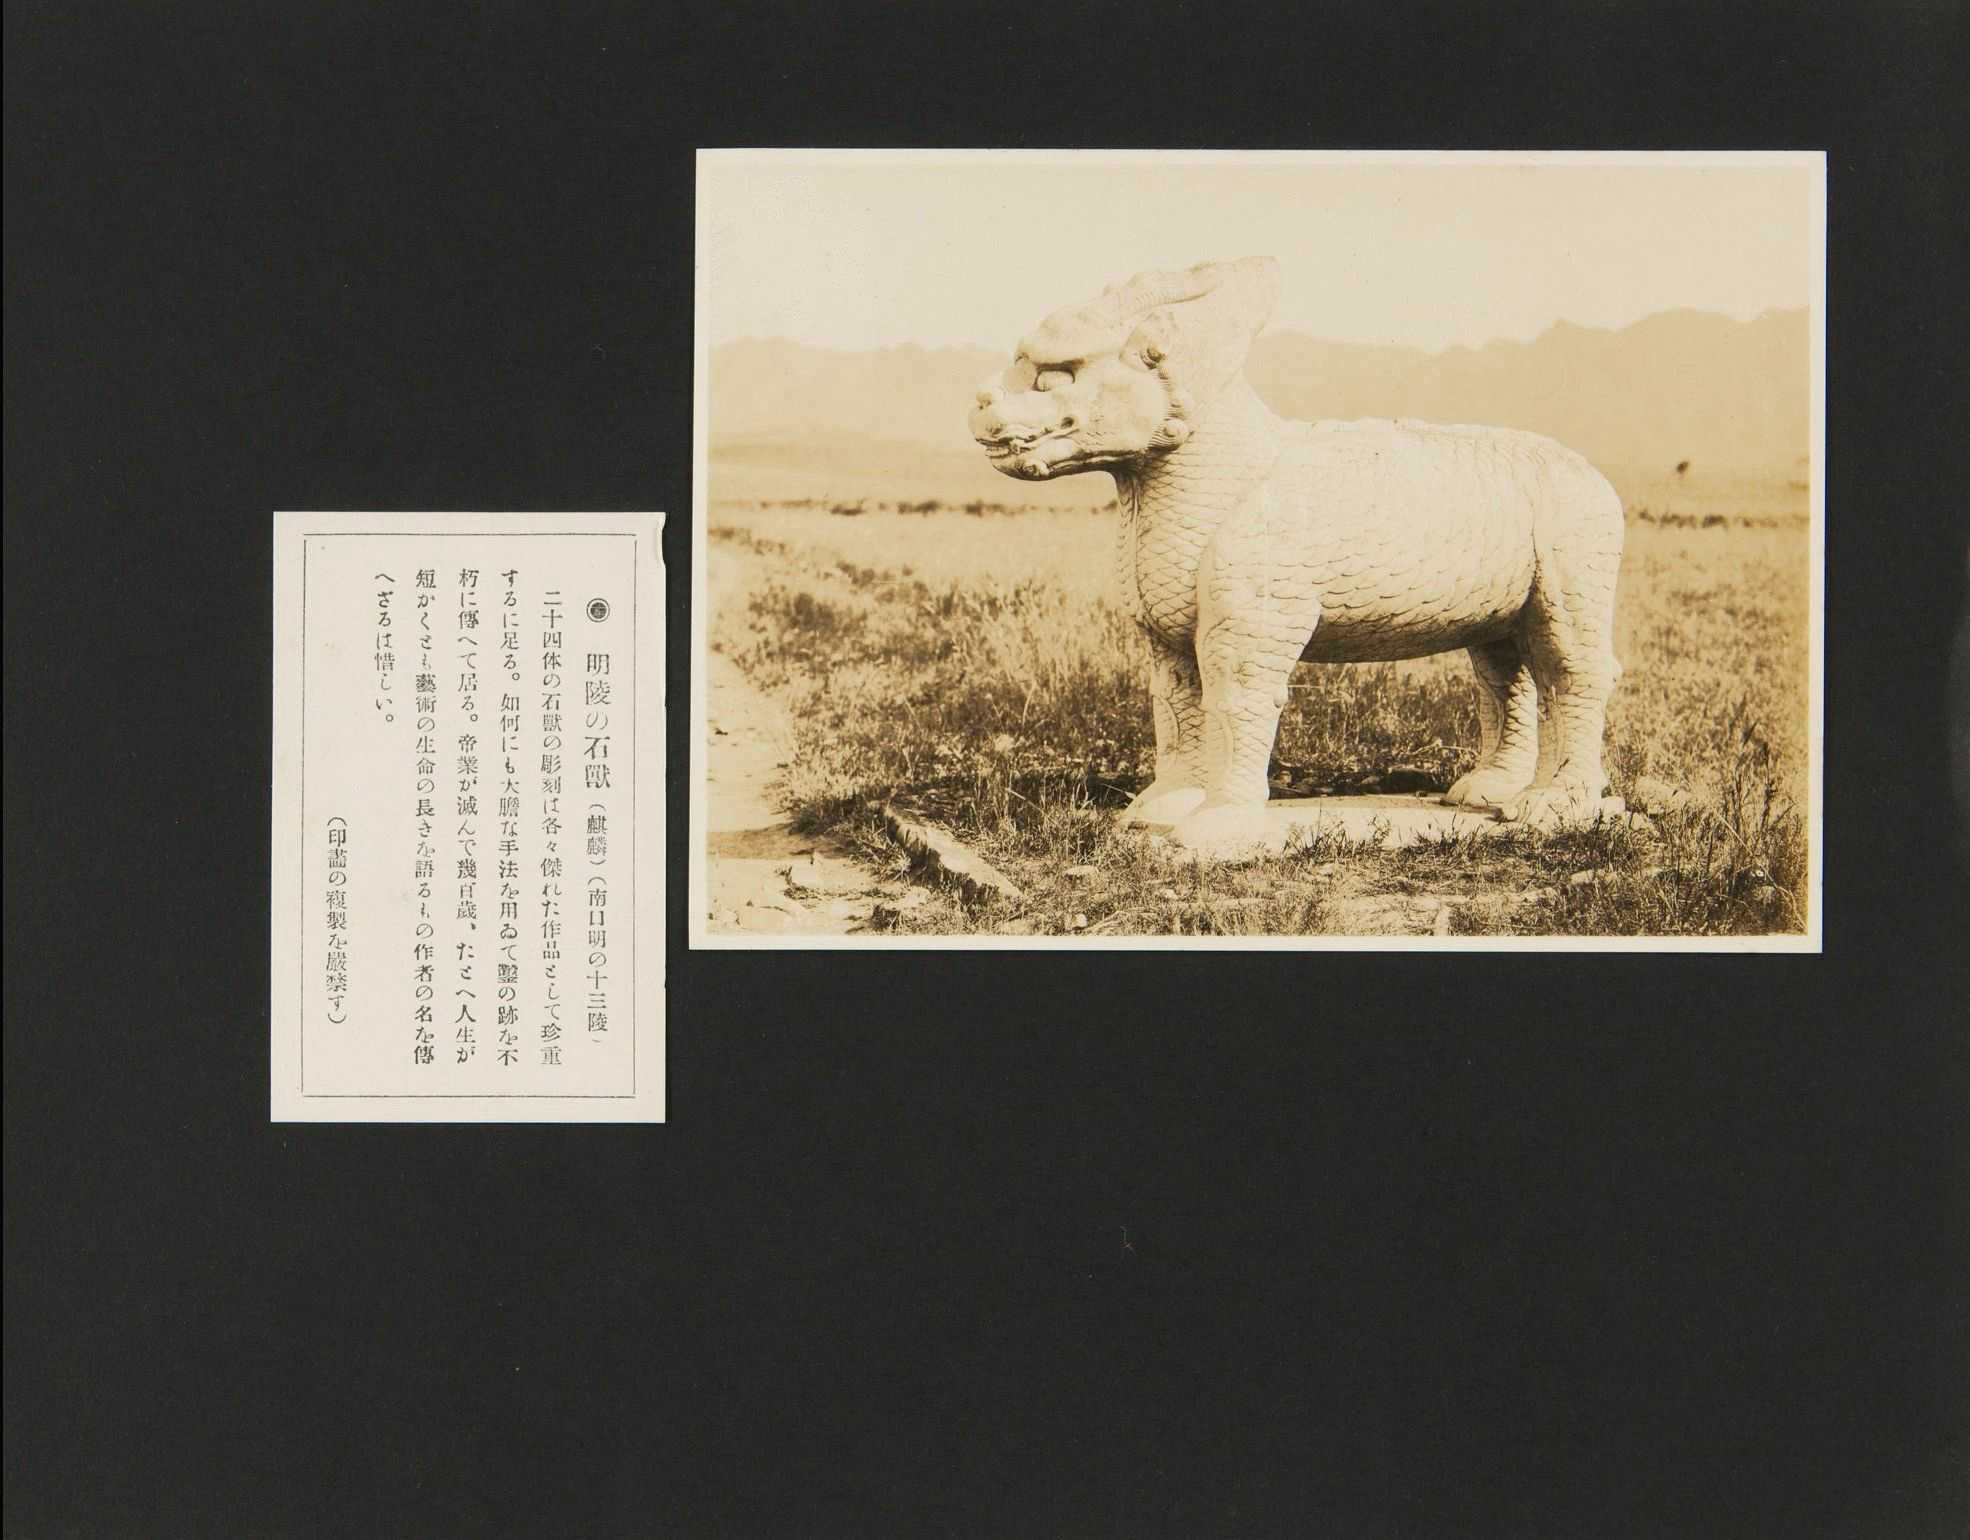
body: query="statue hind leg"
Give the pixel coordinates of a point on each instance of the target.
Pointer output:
(1508, 722)
(1568, 638)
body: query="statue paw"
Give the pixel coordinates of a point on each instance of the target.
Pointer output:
(1225, 831)
(1558, 805)
(1162, 805)
(1484, 788)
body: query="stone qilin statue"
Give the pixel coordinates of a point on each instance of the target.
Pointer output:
(1250, 543)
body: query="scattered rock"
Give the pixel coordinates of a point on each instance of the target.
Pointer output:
(1077, 922)
(850, 908)
(887, 911)
(1372, 915)
(1583, 879)
(1170, 894)
(1081, 873)
(1648, 795)
(764, 915)
(805, 876)
(964, 868)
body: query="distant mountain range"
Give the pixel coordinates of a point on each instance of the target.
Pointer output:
(1729, 396)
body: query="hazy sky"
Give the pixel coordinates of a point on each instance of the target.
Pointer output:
(866, 249)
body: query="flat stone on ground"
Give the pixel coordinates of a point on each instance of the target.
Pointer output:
(1386, 820)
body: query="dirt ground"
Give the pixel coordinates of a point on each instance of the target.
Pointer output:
(761, 877)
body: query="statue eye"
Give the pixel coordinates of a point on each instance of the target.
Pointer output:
(1048, 379)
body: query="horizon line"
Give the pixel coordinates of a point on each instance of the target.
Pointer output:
(1289, 331)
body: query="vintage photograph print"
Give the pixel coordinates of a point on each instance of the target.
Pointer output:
(1164, 548)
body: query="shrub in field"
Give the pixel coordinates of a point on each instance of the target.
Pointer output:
(1345, 721)
(983, 706)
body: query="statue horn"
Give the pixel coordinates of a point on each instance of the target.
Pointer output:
(1153, 289)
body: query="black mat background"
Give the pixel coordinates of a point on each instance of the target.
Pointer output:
(1415, 1246)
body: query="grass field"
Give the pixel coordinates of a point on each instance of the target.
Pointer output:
(972, 666)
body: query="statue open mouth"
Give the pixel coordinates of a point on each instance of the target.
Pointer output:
(1032, 457)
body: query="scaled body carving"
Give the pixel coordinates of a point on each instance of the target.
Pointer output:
(1250, 543)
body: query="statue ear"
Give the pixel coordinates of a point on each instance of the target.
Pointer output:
(1150, 343)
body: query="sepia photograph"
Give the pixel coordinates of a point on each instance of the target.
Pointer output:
(1267, 548)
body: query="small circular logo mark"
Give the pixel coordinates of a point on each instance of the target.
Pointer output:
(598, 609)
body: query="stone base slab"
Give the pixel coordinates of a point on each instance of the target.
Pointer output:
(1391, 821)
(1384, 820)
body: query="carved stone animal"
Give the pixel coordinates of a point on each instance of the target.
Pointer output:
(1250, 543)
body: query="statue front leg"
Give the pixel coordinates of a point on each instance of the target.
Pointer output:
(1246, 666)
(1177, 700)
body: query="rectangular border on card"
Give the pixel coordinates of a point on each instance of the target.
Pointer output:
(644, 1102)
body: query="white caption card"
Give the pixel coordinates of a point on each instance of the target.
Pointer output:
(468, 844)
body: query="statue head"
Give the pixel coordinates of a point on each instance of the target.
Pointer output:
(1113, 383)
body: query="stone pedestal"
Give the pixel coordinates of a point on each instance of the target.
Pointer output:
(1383, 820)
